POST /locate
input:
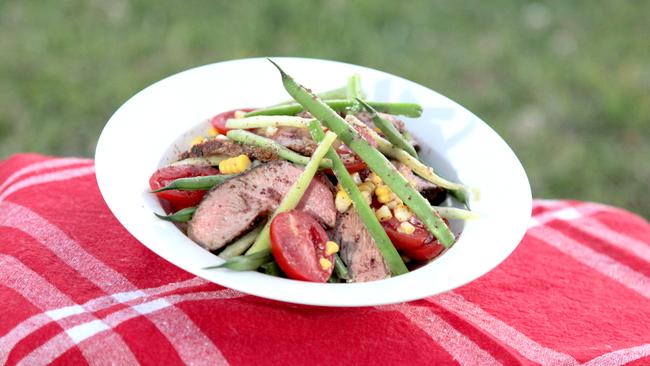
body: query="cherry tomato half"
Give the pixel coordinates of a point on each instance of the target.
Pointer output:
(219, 121)
(179, 199)
(420, 245)
(298, 244)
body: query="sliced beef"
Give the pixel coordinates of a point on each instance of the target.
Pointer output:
(434, 194)
(294, 138)
(358, 250)
(235, 206)
(228, 148)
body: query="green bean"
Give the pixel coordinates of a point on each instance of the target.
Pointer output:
(207, 160)
(372, 157)
(458, 190)
(272, 269)
(454, 213)
(366, 214)
(183, 215)
(340, 105)
(295, 193)
(200, 183)
(245, 262)
(242, 244)
(354, 87)
(339, 267)
(338, 93)
(249, 138)
(267, 121)
(389, 130)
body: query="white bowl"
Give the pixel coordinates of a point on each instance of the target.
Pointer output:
(137, 139)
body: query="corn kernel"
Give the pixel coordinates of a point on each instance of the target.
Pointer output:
(375, 179)
(197, 140)
(382, 190)
(367, 196)
(383, 213)
(325, 263)
(234, 165)
(394, 203)
(212, 131)
(402, 213)
(385, 198)
(331, 248)
(342, 201)
(406, 228)
(239, 114)
(366, 186)
(357, 178)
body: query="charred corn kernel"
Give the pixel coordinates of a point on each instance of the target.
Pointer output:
(383, 213)
(234, 165)
(366, 186)
(406, 228)
(239, 114)
(197, 140)
(212, 131)
(325, 263)
(357, 178)
(386, 198)
(331, 248)
(367, 196)
(402, 213)
(374, 178)
(342, 201)
(382, 190)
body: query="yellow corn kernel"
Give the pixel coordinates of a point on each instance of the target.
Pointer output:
(325, 263)
(331, 248)
(239, 114)
(394, 203)
(367, 196)
(234, 165)
(375, 179)
(197, 140)
(385, 198)
(382, 190)
(357, 178)
(212, 132)
(383, 213)
(402, 213)
(342, 201)
(406, 228)
(366, 186)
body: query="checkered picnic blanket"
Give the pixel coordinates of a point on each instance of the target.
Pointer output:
(76, 288)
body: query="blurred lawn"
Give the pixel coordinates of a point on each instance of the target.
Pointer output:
(567, 84)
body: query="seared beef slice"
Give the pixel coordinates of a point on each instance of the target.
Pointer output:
(233, 207)
(358, 250)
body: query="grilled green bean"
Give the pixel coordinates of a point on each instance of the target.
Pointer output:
(389, 130)
(183, 215)
(200, 183)
(340, 105)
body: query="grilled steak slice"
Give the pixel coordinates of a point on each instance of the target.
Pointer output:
(225, 147)
(294, 138)
(233, 207)
(434, 194)
(358, 250)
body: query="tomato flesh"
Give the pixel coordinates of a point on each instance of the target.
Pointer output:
(420, 245)
(298, 243)
(219, 121)
(179, 200)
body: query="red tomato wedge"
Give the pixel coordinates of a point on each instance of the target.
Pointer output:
(219, 121)
(420, 245)
(298, 244)
(179, 200)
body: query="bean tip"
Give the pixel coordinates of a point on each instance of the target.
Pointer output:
(284, 74)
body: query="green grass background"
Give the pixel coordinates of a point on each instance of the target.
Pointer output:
(567, 84)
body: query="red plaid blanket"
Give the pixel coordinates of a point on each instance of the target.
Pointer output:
(76, 288)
